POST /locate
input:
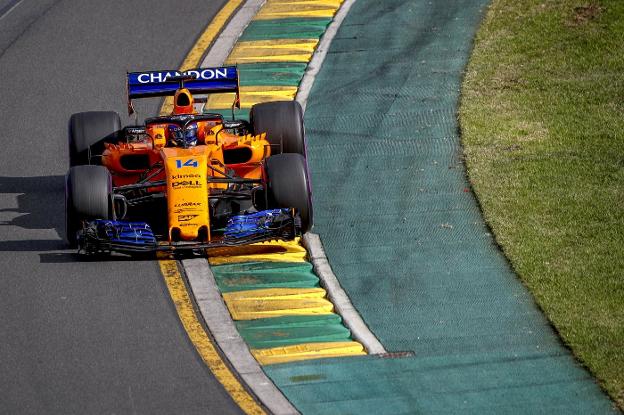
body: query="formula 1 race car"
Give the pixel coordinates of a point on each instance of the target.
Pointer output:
(187, 180)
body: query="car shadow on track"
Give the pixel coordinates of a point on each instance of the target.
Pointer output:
(40, 209)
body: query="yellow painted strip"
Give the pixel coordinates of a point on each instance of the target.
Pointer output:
(274, 56)
(307, 351)
(293, 4)
(274, 50)
(255, 308)
(288, 257)
(279, 251)
(270, 247)
(202, 342)
(271, 294)
(251, 95)
(193, 59)
(278, 9)
(285, 44)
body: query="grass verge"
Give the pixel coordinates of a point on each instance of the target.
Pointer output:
(542, 119)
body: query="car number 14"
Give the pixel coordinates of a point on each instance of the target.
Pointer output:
(186, 163)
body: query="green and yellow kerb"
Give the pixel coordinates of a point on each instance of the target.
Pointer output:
(277, 303)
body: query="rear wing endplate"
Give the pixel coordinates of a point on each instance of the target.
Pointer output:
(206, 81)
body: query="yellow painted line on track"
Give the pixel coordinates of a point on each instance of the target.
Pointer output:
(269, 294)
(274, 50)
(255, 308)
(251, 95)
(282, 251)
(279, 9)
(202, 342)
(307, 351)
(208, 36)
(285, 257)
(270, 247)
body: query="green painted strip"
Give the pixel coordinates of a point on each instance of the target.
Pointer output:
(242, 114)
(264, 74)
(290, 321)
(258, 267)
(284, 331)
(244, 281)
(271, 73)
(258, 275)
(306, 28)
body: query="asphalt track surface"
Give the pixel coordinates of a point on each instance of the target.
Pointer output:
(84, 337)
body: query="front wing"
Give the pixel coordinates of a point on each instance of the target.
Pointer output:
(106, 236)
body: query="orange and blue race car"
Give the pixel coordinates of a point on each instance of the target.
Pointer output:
(188, 180)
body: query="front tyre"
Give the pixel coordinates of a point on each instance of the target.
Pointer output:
(288, 186)
(88, 196)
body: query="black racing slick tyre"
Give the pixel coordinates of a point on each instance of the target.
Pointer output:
(283, 123)
(289, 186)
(88, 131)
(88, 195)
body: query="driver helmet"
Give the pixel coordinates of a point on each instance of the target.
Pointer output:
(186, 137)
(183, 102)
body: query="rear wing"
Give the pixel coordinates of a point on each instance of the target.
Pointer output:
(206, 81)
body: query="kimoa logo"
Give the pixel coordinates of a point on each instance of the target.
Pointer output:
(184, 176)
(204, 74)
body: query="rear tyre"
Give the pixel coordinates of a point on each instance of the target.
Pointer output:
(88, 195)
(88, 131)
(283, 123)
(289, 186)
